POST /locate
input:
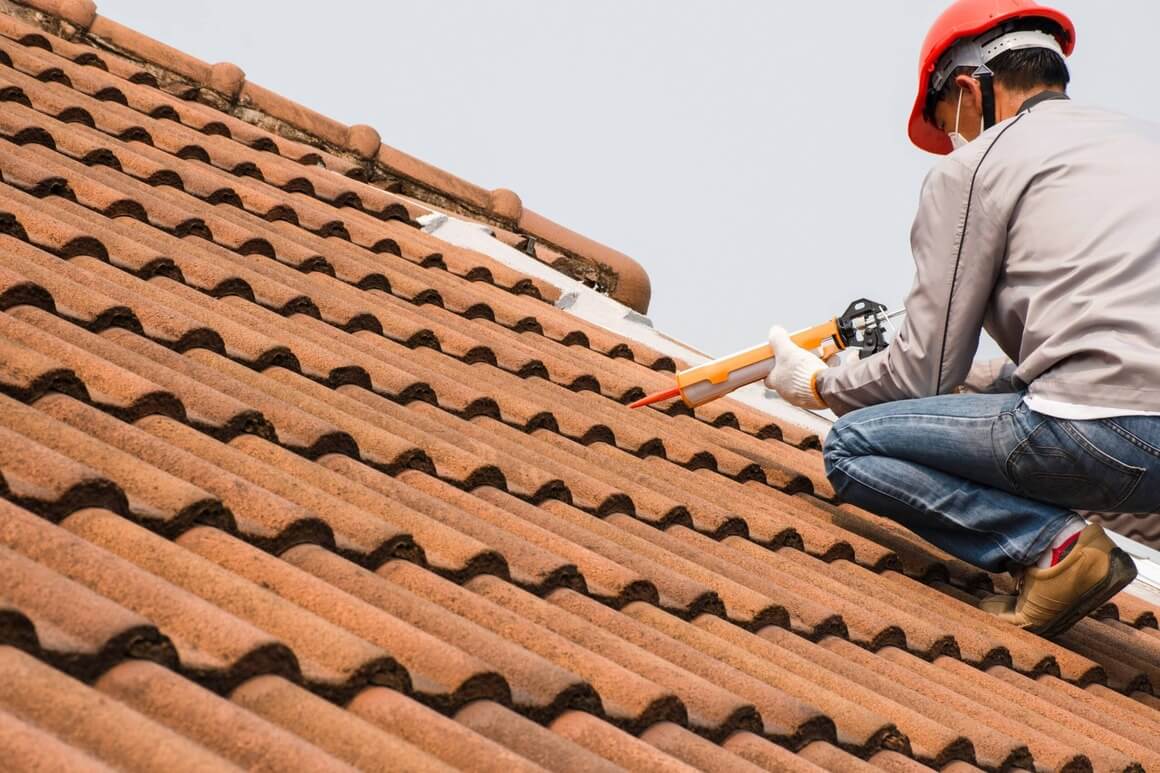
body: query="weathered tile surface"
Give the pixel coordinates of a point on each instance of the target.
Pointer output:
(289, 483)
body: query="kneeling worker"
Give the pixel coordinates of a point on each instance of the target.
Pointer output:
(1042, 226)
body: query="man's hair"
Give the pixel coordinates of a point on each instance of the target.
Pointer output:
(1020, 70)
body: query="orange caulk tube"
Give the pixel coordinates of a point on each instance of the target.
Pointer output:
(704, 383)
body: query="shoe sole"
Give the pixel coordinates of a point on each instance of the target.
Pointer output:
(1121, 571)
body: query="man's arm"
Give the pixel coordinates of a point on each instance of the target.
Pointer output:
(991, 377)
(958, 248)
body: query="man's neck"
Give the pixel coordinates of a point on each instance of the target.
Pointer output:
(1009, 103)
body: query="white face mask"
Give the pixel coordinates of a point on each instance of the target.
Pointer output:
(958, 140)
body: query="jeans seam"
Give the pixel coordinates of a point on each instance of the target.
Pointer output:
(1131, 437)
(1100, 455)
(1092, 450)
(1018, 449)
(1001, 466)
(892, 417)
(991, 535)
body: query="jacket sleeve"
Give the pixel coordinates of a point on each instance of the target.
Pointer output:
(958, 247)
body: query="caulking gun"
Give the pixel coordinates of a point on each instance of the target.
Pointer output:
(862, 325)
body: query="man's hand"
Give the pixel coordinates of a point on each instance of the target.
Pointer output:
(991, 377)
(794, 374)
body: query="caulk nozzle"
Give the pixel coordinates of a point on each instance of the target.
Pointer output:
(657, 397)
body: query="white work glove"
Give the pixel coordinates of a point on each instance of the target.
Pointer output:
(795, 371)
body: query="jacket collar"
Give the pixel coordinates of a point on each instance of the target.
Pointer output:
(1043, 96)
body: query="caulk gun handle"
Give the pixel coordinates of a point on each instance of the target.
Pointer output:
(718, 378)
(813, 337)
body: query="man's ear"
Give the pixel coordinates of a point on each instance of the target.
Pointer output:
(972, 93)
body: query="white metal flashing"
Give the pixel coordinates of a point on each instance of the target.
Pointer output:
(599, 309)
(591, 306)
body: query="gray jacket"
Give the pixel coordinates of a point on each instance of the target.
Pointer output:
(1045, 231)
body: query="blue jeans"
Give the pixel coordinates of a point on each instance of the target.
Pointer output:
(987, 479)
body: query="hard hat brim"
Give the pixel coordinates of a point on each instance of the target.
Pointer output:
(922, 132)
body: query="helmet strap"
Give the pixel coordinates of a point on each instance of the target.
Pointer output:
(986, 79)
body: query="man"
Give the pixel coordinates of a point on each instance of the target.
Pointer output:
(1042, 226)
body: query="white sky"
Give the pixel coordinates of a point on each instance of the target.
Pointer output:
(751, 154)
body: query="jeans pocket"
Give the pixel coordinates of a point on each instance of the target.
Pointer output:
(1058, 464)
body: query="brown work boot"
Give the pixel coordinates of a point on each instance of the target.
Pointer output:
(1054, 599)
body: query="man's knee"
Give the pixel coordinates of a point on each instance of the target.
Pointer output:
(836, 446)
(835, 452)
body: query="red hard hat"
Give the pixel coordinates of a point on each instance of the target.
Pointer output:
(966, 19)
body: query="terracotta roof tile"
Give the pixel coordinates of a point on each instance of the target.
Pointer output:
(41, 696)
(161, 323)
(830, 757)
(712, 709)
(1123, 670)
(166, 503)
(293, 428)
(695, 751)
(449, 551)
(1048, 742)
(333, 451)
(897, 763)
(1137, 741)
(40, 479)
(769, 756)
(960, 767)
(1134, 612)
(657, 503)
(852, 697)
(218, 725)
(261, 515)
(76, 629)
(990, 743)
(814, 613)
(205, 408)
(532, 741)
(1116, 704)
(537, 687)
(442, 674)
(1114, 636)
(213, 646)
(188, 320)
(77, 302)
(67, 105)
(680, 586)
(27, 374)
(110, 386)
(16, 289)
(436, 734)
(40, 750)
(1011, 692)
(1039, 655)
(956, 712)
(824, 535)
(355, 741)
(611, 573)
(356, 533)
(784, 717)
(855, 726)
(529, 565)
(629, 698)
(333, 660)
(376, 445)
(612, 744)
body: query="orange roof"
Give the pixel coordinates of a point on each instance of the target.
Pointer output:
(288, 482)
